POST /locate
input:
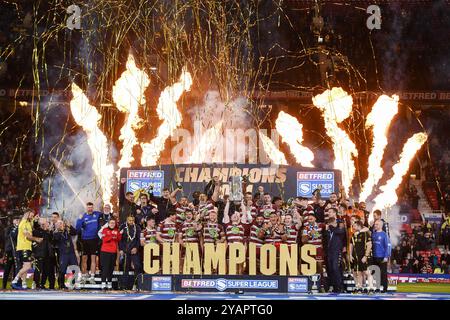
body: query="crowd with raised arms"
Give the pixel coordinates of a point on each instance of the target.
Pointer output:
(104, 241)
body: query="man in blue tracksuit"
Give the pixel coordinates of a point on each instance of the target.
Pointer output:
(381, 251)
(335, 242)
(88, 224)
(62, 238)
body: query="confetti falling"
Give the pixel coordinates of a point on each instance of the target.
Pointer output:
(219, 43)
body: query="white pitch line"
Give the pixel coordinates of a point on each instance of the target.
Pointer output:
(143, 297)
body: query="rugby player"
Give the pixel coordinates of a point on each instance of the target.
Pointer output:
(360, 252)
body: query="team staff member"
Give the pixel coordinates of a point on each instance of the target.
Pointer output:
(24, 247)
(376, 217)
(128, 208)
(129, 246)
(54, 258)
(42, 252)
(10, 251)
(88, 224)
(164, 203)
(381, 251)
(63, 239)
(335, 242)
(106, 215)
(144, 211)
(108, 253)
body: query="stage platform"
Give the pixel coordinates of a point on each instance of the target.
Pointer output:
(120, 295)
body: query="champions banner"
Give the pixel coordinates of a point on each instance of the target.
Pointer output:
(284, 181)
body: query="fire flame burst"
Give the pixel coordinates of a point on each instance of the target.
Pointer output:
(168, 112)
(388, 197)
(128, 95)
(207, 145)
(380, 118)
(272, 151)
(88, 118)
(291, 131)
(336, 106)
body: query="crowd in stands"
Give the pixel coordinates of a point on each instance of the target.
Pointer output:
(17, 170)
(437, 169)
(419, 250)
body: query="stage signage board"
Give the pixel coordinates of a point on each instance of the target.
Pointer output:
(433, 217)
(143, 179)
(161, 283)
(285, 181)
(419, 278)
(226, 283)
(222, 284)
(308, 181)
(298, 285)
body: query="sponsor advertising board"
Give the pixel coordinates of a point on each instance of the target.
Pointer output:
(285, 181)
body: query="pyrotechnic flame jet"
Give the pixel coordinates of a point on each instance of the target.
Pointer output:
(88, 118)
(209, 141)
(380, 118)
(168, 112)
(389, 197)
(336, 106)
(291, 131)
(128, 95)
(272, 151)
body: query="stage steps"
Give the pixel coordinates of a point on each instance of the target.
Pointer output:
(98, 281)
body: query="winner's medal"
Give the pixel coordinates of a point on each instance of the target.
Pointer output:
(213, 233)
(190, 232)
(171, 233)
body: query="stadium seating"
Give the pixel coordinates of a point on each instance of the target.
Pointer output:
(432, 196)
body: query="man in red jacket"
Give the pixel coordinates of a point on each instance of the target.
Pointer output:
(110, 236)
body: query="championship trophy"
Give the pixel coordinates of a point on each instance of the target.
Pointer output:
(315, 279)
(317, 193)
(236, 188)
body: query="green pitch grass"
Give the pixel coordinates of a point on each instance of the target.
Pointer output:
(424, 287)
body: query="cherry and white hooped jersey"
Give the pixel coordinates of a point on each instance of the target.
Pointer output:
(273, 236)
(205, 208)
(149, 235)
(292, 233)
(254, 231)
(167, 231)
(189, 233)
(212, 232)
(235, 233)
(181, 213)
(266, 210)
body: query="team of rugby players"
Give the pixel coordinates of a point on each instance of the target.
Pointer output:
(339, 230)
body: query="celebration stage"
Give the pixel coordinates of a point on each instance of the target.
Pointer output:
(120, 295)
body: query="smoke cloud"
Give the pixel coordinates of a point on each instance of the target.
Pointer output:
(224, 147)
